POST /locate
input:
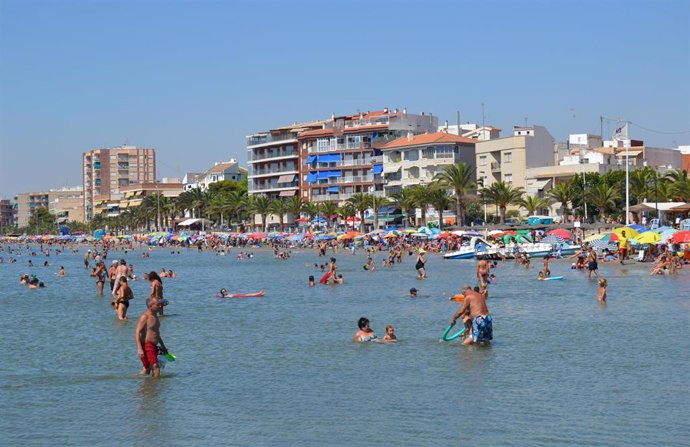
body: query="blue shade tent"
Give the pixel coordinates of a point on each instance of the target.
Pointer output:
(311, 159)
(335, 173)
(324, 237)
(377, 169)
(334, 189)
(322, 175)
(329, 158)
(318, 219)
(311, 177)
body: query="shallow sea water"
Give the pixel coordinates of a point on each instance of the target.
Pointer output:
(282, 370)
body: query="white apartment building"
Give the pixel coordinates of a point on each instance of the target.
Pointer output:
(471, 130)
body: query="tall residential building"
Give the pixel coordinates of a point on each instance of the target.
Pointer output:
(343, 157)
(107, 170)
(506, 159)
(416, 159)
(273, 159)
(6, 213)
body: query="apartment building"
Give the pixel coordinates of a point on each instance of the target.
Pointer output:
(7, 213)
(472, 130)
(416, 159)
(107, 170)
(506, 159)
(67, 204)
(344, 156)
(134, 194)
(684, 157)
(273, 160)
(27, 203)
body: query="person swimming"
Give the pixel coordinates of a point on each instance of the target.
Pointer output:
(365, 333)
(390, 334)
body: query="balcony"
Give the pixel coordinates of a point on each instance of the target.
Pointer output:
(272, 155)
(495, 166)
(339, 147)
(270, 138)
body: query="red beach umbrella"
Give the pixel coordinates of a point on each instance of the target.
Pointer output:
(565, 234)
(682, 237)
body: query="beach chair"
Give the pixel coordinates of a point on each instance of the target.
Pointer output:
(640, 256)
(654, 224)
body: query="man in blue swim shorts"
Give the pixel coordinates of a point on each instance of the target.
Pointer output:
(482, 323)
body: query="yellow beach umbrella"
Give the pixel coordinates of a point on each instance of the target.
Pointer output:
(629, 232)
(648, 237)
(594, 237)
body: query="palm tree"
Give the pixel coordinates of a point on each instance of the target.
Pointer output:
(533, 203)
(295, 205)
(312, 210)
(330, 209)
(563, 193)
(347, 211)
(278, 207)
(361, 203)
(502, 194)
(376, 204)
(640, 181)
(460, 178)
(220, 206)
(422, 195)
(239, 205)
(439, 197)
(604, 197)
(404, 199)
(262, 206)
(679, 185)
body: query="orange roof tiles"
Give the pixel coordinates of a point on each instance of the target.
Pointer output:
(428, 138)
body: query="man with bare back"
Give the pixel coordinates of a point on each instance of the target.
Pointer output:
(148, 338)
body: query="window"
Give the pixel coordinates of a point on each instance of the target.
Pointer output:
(507, 157)
(482, 160)
(508, 178)
(428, 153)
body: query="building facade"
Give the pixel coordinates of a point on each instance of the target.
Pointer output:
(67, 204)
(343, 157)
(7, 213)
(107, 170)
(416, 159)
(29, 202)
(273, 158)
(506, 159)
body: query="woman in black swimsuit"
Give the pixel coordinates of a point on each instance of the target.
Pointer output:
(420, 264)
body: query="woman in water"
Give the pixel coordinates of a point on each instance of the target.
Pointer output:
(365, 333)
(420, 264)
(100, 274)
(601, 297)
(157, 290)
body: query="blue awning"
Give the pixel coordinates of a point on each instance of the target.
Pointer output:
(377, 169)
(322, 175)
(388, 209)
(334, 189)
(311, 177)
(334, 173)
(329, 158)
(311, 159)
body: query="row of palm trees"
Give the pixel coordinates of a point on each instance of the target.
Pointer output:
(453, 187)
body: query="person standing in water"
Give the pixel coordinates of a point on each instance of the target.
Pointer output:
(420, 265)
(121, 302)
(148, 338)
(592, 265)
(482, 322)
(100, 275)
(157, 290)
(601, 296)
(483, 270)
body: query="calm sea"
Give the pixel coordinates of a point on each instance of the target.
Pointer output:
(283, 371)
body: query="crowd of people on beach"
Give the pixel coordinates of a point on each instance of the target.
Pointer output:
(477, 321)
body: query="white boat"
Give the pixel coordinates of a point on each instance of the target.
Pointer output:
(533, 250)
(470, 245)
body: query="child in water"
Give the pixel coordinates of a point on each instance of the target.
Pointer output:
(311, 281)
(602, 290)
(390, 334)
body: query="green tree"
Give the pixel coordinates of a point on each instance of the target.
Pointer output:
(422, 199)
(42, 222)
(604, 197)
(295, 205)
(564, 193)
(361, 203)
(532, 204)
(679, 187)
(502, 195)
(262, 207)
(460, 179)
(278, 207)
(440, 199)
(330, 211)
(404, 199)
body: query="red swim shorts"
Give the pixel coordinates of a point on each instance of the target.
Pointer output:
(150, 356)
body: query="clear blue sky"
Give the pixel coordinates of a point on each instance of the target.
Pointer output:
(193, 78)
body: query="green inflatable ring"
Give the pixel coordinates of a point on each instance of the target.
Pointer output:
(447, 337)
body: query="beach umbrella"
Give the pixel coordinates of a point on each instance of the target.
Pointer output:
(601, 244)
(667, 233)
(495, 232)
(638, 228)
(681, 237)
(629, 232)
(257, 236)
(302, 219)
(594, 237)
(444, 235)
(648, 237)
(560, 232)
(349, 235)
(662, 229)
(353, 219)
(390, 236)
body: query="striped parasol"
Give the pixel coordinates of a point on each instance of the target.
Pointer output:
(601, 244)
(553, 239)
